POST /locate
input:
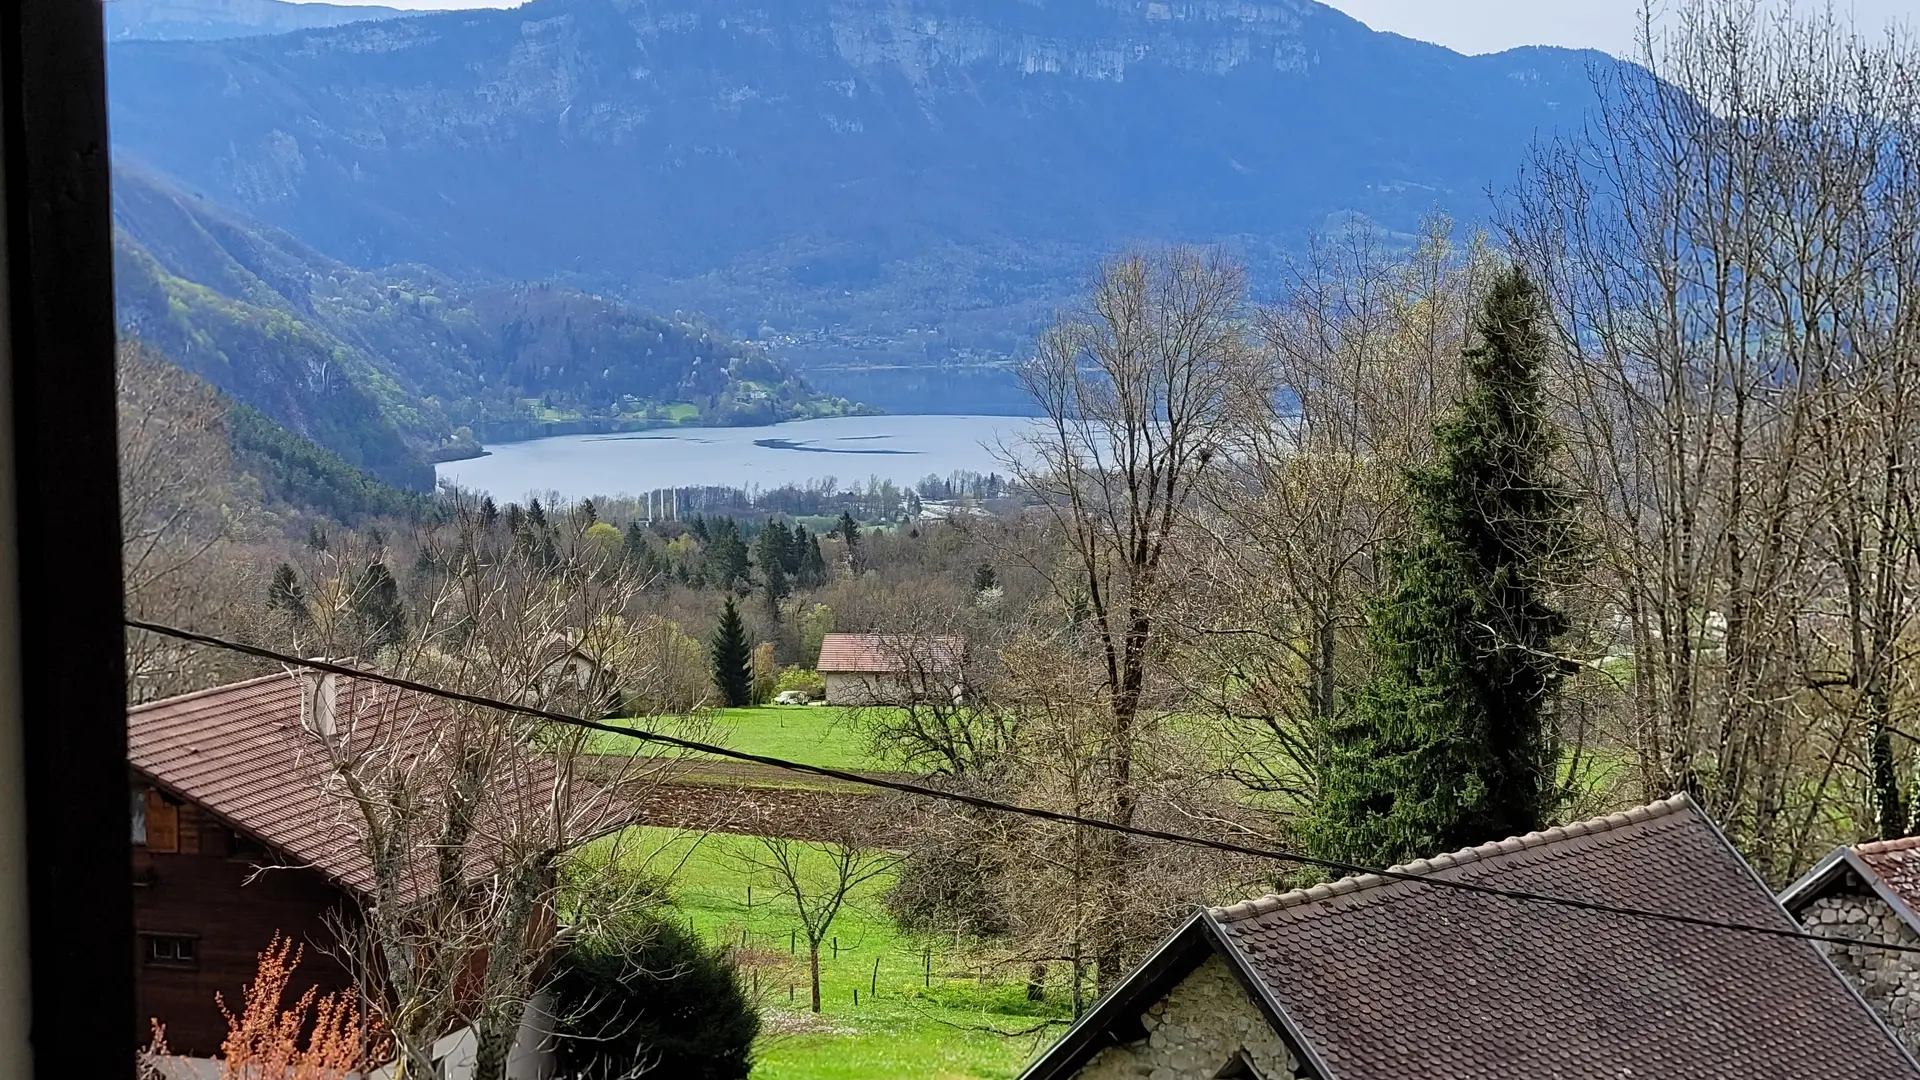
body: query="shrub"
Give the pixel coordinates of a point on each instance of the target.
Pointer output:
(652, 1000)
(799, 678)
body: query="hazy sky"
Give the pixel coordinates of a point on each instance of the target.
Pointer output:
(1471, 26)
(1477, 26)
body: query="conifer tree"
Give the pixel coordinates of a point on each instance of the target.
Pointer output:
(1452, 743)
(849, 531)
(700, 529)
(376, 603)
(489, 513)
(635, 547)
(771, 553)
(985, 578)
(797, 555)
(727, 563)
(815, 570)
(536, 515)
(285, 594)
(316, 537)
(732, 659)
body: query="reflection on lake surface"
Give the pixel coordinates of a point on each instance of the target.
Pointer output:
(851, 449)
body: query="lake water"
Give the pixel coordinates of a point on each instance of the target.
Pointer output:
(850, 449)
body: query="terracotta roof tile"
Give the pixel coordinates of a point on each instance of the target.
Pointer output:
(881, 654)
(1390, 979)
(242, 752)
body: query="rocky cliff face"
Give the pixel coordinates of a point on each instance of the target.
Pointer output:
(847, 166)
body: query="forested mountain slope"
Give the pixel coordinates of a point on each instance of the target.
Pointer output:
(937, 168)
(395, 368)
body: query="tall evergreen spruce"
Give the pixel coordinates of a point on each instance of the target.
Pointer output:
(383, 619)
(732, 659)
(1452, 743)
(284, 594)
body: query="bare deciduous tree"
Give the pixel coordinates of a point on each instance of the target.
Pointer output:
(1135, 394)
(1731, 257)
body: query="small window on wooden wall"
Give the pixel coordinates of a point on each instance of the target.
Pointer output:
(171, 950)
(163, 824)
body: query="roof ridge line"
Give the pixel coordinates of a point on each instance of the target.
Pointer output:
(1898, 843)
(148, 706)
(1272, 902)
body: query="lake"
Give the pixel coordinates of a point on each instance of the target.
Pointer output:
(850, 449)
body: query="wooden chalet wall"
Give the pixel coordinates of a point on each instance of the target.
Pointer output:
(196, 879)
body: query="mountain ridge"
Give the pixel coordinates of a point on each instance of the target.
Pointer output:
(394, 369)
(837, 168)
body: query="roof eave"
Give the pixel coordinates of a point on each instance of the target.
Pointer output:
(1175, 958)
(1816, 882)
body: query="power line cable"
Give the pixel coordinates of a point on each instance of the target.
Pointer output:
(997, 806)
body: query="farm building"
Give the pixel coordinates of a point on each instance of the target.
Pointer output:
(1872, 892)
(1373, 978)
(891, 669)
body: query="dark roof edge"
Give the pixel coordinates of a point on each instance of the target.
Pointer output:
(1172, 960)
(1277, 1014)
(1813, 885)
(1087, 1036)
(1851, 989)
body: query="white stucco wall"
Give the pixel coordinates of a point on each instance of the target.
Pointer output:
(1194, 1033)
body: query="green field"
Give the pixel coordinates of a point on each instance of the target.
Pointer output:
(934, 1028)
(824, 735)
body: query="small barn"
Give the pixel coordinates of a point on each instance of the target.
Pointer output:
(1383, 978)
(892, 669)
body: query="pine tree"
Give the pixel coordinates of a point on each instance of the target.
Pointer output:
(732, 659)
(727, 562)
(635, 546)
(588, 512)
(489, 513)
(376, 603)
(1452, 743)
(849, 531)
(516, 518)
(797, 555)
(284, 594)
(536, 515)
(771, 553)
(700, 529)
(316, 538)
(985, 578)
(815, 570)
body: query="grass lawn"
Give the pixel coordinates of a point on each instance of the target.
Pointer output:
(825, 735)
(910, 1029)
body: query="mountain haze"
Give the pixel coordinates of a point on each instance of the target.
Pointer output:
(919, 176)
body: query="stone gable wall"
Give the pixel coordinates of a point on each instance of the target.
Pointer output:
(1890, 981)
(1194, 1032)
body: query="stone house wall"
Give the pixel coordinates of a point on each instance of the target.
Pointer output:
(1197, 1032)
(1890, 981)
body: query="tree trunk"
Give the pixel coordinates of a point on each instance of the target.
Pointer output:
(813, 965)
(1037, 983)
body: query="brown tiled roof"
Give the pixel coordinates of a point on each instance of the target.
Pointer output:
(1388, 979)
(883, 654)
(240, 751)
(1897, 864)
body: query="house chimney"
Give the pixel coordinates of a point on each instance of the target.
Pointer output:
(319, 699)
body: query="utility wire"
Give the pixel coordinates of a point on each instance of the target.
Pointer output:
(997, 806)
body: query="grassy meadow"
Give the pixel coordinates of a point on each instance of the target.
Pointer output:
(939, 1027)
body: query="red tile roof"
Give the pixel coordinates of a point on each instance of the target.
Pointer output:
(242, 752)
(1897, 864)
(1390, 979)
(886, 654)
